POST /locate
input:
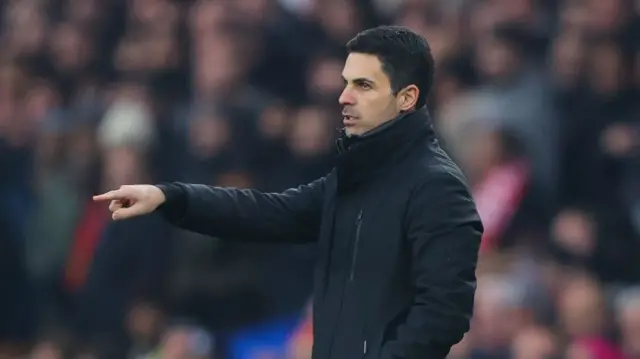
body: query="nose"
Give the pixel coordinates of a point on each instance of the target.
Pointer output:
(347, 98)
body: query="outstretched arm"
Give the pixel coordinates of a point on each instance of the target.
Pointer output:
(244, 214)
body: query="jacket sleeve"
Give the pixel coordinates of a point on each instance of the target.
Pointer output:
(444, 231)
(245, 214)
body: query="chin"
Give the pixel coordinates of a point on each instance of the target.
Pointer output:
(352, 132)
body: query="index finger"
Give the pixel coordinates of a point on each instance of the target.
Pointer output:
(109, 196)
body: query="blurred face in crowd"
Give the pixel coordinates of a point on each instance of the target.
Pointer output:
(71, 48)
(577, 351)
(628, 318)
(534, 343)
(40, 100)
(27, 36)
(568, 56)
(121, 166)
(604, 15)
(144, 322)
(208, 135)
(338, 18)
(496, 59)
(605, 69)
(575, 232)
(581, 308)
(158, 15)
(84, 11)
(205, 17)
(498, 316)
(513, 10)
(482, 152)
(184, 343)
(46, 350)
(309, 132)
(324, 78)
(368, 98)
(272, 122)
(253, 11)
(218, 66)
(176, 344)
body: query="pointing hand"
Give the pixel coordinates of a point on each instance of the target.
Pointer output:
(132, 201)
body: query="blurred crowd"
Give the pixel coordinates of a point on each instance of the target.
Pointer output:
(536, 99)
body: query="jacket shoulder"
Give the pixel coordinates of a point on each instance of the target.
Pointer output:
(440, 188)
(435, 166)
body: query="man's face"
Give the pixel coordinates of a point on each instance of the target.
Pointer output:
(367, 98)
(496, 59)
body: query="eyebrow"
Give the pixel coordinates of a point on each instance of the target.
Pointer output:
(359, 80)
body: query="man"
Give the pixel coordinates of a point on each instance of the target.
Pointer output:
(397, 231)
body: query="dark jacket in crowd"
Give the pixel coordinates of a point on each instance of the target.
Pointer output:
(397, 232)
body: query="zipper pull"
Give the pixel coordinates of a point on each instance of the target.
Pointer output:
(364, 350)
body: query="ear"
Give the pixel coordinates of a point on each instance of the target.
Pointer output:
(408, 97)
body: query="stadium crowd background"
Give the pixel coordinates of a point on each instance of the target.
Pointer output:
(538, 100)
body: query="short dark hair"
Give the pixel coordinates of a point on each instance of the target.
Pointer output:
(405, 56)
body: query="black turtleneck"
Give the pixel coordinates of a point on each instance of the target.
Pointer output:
(362, 157)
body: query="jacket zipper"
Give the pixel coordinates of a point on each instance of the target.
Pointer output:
(355, 245)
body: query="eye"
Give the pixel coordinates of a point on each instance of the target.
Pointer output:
(365, 86)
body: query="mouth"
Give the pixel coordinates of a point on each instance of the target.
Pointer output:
(348, 120)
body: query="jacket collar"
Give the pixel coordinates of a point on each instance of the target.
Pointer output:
(362, 157)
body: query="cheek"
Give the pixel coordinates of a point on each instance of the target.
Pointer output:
(369, 111)
(377, 104)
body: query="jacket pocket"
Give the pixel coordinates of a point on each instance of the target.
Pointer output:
(356, 243)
